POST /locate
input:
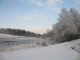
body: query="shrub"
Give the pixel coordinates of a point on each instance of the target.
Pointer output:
(44, 43)
(38, 43)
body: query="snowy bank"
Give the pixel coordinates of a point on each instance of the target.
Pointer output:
(18, 47)
(61, 51)
(7, 37)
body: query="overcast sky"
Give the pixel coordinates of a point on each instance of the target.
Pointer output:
(33, 15)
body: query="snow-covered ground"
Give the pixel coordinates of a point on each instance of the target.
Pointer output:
(5, 37)
(63, 51)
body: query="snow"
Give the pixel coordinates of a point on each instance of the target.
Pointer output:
(61, 51)
(7, 37)
(18, 47)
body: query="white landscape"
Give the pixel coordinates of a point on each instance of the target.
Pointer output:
(39, 29)
(62, 51)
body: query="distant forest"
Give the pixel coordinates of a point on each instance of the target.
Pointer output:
(18, 32)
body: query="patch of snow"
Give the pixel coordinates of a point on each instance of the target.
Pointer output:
(74, 45)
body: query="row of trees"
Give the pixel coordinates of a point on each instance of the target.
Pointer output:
(18, 32)
(68, 26)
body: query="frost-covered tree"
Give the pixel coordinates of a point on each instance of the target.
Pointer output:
(76, 18)
(50, 33)
(68, 26)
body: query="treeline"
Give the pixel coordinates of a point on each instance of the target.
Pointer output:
(18, 32)
(67, 28)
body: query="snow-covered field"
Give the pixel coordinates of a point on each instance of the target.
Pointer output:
(5, 37)
(63, 51)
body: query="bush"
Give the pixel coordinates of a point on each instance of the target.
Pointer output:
(38, 43)
(44, 43)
